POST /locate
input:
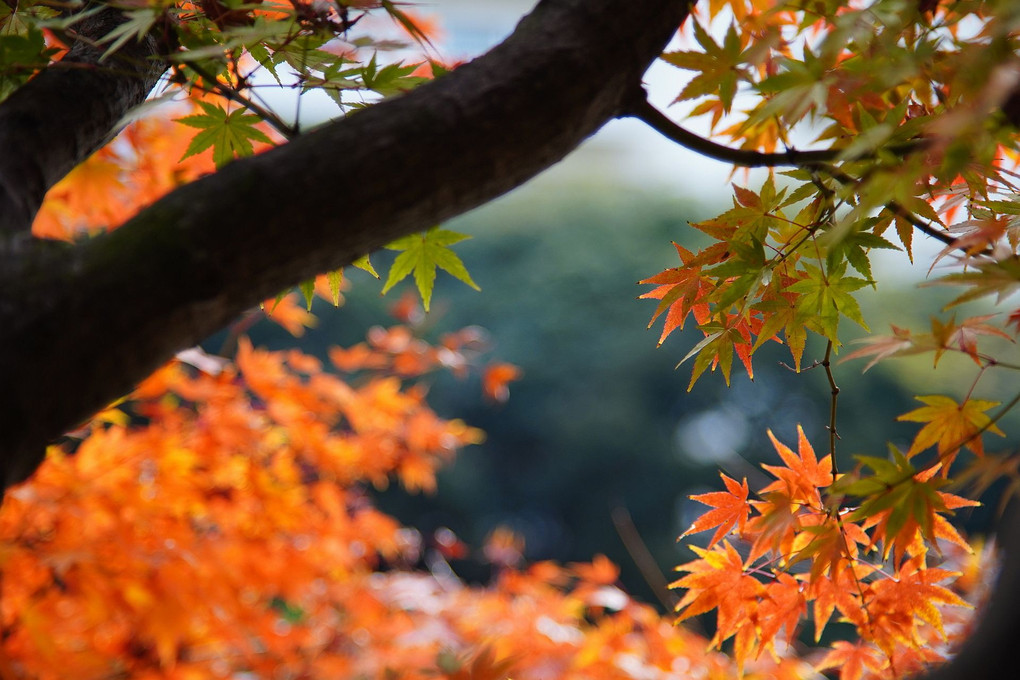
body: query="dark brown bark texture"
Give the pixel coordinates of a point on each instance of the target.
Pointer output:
(81, 324)
(60, 117)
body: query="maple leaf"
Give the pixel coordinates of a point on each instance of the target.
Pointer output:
(716, 66)
(963, 335)
(853, 660)
(229, 134)
(912, 594)
(718, 581)
(730, 510)
(682, 290)
(881, 347)
(422, 254)
(803, 474)
(951, 425)
(824, 296)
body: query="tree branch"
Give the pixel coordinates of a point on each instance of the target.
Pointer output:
(819, 159)
(643, 110)
(64, 114)
(88, 322)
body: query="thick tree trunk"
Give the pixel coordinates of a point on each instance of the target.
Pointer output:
(81, 325)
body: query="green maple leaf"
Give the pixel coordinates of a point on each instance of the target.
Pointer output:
(824, 296)
(717, 66)
(854, 247)
(422, 254)
(229, 134)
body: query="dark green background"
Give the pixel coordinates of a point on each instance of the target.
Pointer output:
(601, 418)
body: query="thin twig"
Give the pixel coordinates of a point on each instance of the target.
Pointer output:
(834, 511)
(642, 557)
(833, 435)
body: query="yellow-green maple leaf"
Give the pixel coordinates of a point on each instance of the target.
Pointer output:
(951, 425)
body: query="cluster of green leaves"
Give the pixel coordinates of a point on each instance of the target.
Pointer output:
(221, 46)
(770, 271)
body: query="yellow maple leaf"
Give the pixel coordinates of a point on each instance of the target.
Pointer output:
(951, 425)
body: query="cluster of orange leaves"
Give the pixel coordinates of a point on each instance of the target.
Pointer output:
(144, 162)
(217, 523)
(805, 553)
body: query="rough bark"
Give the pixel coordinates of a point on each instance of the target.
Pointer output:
(81, 325)
(60, 117)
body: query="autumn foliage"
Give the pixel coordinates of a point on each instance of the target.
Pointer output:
(218, 521)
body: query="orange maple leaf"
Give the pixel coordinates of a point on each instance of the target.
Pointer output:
(680, 290)
(853, 660)
(731, 509)
(803, 474)
(719, 581)
(912, 595)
